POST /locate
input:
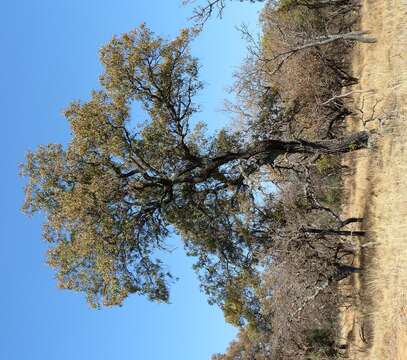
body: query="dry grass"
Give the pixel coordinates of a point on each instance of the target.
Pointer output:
(378, 189)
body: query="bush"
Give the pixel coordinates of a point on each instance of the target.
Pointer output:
(321, 342)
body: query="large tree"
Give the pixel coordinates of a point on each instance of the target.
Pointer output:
(128, 177)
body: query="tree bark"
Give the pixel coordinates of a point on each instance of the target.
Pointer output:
(324, 3)
(268, 151)
(351, 221)
(346, 144)
(274, 148)
(359, 36)
(334, 232)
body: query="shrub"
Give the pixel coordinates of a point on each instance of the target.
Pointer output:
(322, 344)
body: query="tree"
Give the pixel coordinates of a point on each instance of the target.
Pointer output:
(111, 196)
(202, 13)
(247, 346)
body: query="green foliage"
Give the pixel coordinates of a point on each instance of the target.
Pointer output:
(321, 345)
(286, 5)
(247, 347)
(111, 195)
(104, 196)
(333, 196)
(241, 304)
(325, 164)
(328, 167)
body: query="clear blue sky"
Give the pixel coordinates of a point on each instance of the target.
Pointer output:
(48, 58)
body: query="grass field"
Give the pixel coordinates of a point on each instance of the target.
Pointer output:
(377, 323)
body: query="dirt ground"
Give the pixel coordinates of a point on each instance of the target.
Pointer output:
(375, 327)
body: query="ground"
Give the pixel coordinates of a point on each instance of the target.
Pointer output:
(375, 326)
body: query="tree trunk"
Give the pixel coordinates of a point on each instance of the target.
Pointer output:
(275, 148)
(351, 221)
(343, 271)
(359, 36)
(334, 232)
(269, 150)
(324, 3)
(346, 144)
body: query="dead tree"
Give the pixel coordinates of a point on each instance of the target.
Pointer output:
(282, 57)
(202, 13)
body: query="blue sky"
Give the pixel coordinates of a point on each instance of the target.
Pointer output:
(48, 58)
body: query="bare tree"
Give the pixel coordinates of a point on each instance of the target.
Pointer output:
(202, 13)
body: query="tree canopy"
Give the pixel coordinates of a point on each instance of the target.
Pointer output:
(113, 195)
